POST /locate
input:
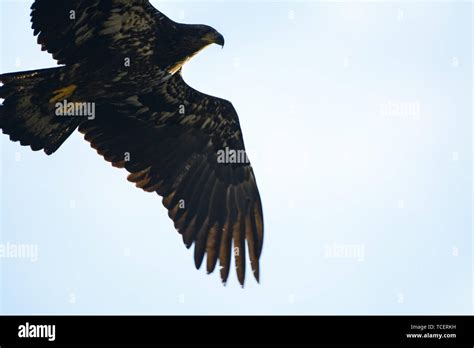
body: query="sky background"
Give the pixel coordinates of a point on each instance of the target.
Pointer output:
(358, 120)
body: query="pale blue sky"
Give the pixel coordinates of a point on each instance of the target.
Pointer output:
(317, 86)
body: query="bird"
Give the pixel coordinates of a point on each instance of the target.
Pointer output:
(125, 59)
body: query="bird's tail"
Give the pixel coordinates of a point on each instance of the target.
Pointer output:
(28, 110)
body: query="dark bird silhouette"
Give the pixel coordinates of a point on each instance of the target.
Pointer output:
(124, 58)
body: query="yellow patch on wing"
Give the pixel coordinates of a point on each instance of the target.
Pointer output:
(63, 93)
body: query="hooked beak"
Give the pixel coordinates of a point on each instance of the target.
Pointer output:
(214, 38)
(220, 40)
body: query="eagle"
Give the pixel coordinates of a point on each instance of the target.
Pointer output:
(125, 58)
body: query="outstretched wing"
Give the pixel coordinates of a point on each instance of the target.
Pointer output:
(172, 141)
(98, 29)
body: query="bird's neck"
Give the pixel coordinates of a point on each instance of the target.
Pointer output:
(176, 66)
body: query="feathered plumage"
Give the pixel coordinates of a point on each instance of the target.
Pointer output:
(148, 120)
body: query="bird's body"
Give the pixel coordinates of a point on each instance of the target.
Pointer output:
(125, 45)
(125, 57)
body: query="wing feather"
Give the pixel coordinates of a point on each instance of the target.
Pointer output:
(77, 30)
(215, 206)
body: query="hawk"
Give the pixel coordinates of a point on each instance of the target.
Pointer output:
(124, 58)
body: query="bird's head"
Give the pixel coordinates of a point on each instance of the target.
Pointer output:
(209, 36)
(205, 35)
(187, 42)
(195, 37)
